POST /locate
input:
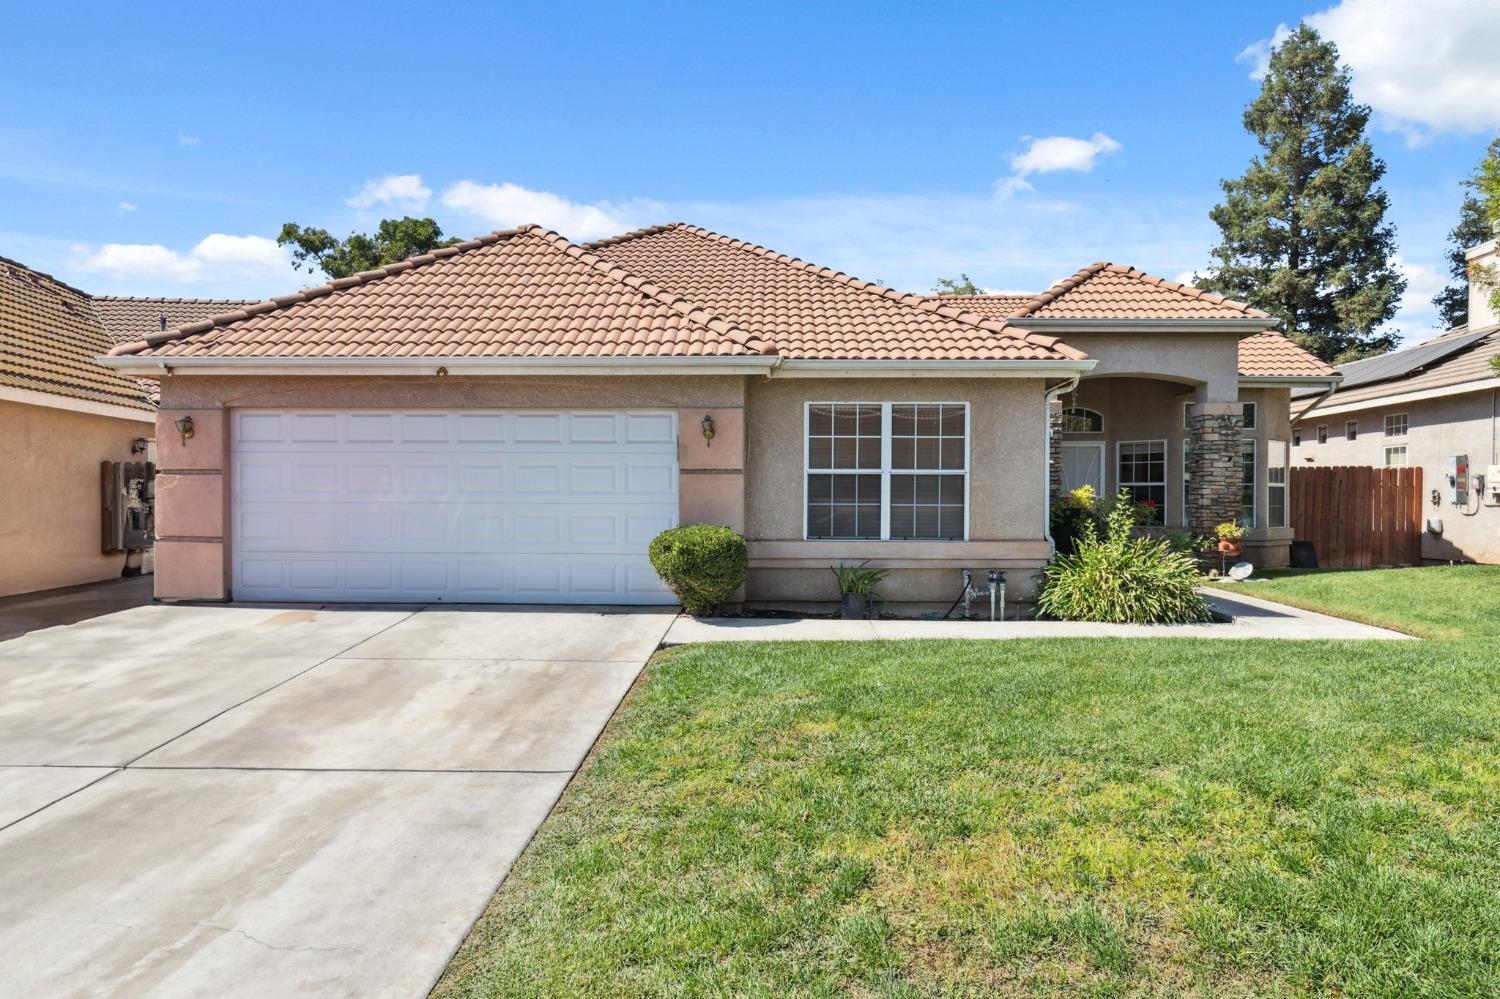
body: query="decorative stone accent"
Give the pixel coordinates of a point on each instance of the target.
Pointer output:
(1214, 465)
(1054, 447)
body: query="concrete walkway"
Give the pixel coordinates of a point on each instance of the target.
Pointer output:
(1253, 618)
(283, 801)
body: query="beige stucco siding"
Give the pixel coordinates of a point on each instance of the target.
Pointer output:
(1437, 429)
(1207, 362)
(51, 495)
(1007, 477)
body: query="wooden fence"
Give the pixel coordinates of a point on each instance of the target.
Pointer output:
(1359, 516)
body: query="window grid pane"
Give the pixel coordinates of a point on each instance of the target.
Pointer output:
(927, 441)
(1247, 483)
(1396, 425)
(1142, 472)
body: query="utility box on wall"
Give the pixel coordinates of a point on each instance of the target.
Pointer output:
(1458, 479)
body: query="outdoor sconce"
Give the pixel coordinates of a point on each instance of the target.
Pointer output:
(708, 429)
(139, 445)
(185, 428)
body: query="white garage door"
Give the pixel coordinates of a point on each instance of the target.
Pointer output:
(477, 506)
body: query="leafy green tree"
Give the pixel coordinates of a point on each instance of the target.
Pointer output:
(394, 240)
(962, 285)
(1303, 230)
(1478, 220)
(1487, 184)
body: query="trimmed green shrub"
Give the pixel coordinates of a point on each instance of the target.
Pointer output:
(703, 564)
(1122, 580)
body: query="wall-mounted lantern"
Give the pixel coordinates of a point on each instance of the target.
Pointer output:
(708, 429)
(185, 429)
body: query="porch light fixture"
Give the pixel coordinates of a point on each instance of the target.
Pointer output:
(708, 429)
(185, 428)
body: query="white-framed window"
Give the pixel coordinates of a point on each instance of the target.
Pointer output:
(1395, 425)
(1322, 433)
(1395, 457)
(1247, 482)
(1080, 420)
(1187, 479)
(1142, 471)
(886, 470)
(1250, 412)
(1297, 438)
(1351, 430)
(1277, 459)
(1187, 415)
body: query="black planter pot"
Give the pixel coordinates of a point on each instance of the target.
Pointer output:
(852, 607)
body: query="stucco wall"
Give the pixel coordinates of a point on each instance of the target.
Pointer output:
(1208, 363)
(1006, 502)
(1437, 428)
(50, 492)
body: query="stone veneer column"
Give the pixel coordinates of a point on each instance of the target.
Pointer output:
(1214, 464)
(1054, 449)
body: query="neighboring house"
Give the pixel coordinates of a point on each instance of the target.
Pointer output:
(514, 418)
(62, 415)
(1424, 406)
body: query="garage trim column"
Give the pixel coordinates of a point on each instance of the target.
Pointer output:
(191, 506)
(711, 473)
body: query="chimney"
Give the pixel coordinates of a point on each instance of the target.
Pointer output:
(1486, 257)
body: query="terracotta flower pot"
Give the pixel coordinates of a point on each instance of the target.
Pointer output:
(1229, 547)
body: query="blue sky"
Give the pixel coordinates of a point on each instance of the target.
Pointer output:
(156, 149)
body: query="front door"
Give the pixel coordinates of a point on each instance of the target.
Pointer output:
(1083, 465)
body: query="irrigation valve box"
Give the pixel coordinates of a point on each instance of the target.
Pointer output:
(1458, 479)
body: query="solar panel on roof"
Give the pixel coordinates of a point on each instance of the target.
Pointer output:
(1403, 362)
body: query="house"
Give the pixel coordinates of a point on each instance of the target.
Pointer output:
(1425, 406)
(62, 414)
(512, 419)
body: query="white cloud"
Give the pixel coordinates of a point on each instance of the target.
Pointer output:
(1417, 319)
(126, 207)
(1053, 153)
(1258, 54)
(216, 258)
(505, 205)
(187, 140)
(402, 190)
(1425, 67)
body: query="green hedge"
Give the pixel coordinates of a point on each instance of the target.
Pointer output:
(703, 564)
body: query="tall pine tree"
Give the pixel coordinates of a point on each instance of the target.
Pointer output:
(1472, 229)
(1478, 221)
(1304, 232)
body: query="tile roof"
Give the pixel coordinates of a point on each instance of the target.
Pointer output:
(50, 338)
(1274, 355)
(1262, 355)
(1115, 291)
(523, 292)
(129, 319)
(816, 312)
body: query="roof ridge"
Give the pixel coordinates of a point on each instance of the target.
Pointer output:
(43, 274)
(678, 303)
(168, 298)
(849, 280)
(1067, 284)
(318, 291)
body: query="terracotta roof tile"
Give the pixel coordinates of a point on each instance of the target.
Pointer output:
(1273, 355)
(1269, 354)
(523, 292)
(1115, 291)
(816, 312)
(129, 319)
(50, 337)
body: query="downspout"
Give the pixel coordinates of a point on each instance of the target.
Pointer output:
(1332, 388)
(1047, 397)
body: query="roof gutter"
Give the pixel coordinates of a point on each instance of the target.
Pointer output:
(946, 368)
(430, 366)
(1059, 325)
(157, 366)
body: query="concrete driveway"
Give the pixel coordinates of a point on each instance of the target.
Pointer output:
(243, 800)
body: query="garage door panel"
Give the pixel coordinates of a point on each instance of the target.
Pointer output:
(475, 506)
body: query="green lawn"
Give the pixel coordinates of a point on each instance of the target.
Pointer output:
(1070, 818)
(1449, 602)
